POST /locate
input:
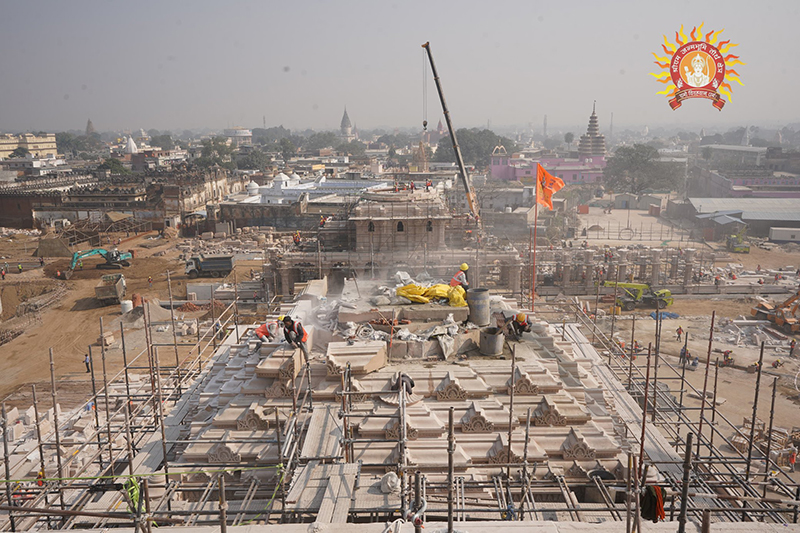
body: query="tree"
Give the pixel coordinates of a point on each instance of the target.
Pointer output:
(636, 168)
(255, 160)
(287, 148)
(352, 148)
(320, 140)
(163, 141)
(707, 153)
(476, 146)
(113, 165)
(19, 151)
(216, 151)
(568, 138)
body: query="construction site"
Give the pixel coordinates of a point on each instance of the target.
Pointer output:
(624, 376)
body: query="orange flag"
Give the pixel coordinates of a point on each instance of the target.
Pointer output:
(546, 185)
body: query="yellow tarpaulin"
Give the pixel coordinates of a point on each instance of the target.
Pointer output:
(419, 294)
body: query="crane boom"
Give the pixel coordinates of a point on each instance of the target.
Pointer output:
(472, 200)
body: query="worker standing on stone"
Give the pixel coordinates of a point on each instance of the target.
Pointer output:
(268, 331)
(296, 334)
(520, 325)
(679, 333)
(460, 278)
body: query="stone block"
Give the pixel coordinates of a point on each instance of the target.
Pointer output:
(18, 431)
(12, 416)
(45, 427)
(191, 296)
(28, 416)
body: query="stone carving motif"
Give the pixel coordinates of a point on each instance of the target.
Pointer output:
(477, 424)
(286, 370)
(524, 387)
(575, 447)
(222, 454)
(252, 422)
(279, 389)
(576, 470)
(333, 368)
(504, 456)
(547, 414)
(452, 391)
(393, 432)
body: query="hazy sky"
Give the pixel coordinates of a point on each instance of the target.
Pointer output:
(191, 64)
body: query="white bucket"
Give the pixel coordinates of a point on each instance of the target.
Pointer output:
(126, 306)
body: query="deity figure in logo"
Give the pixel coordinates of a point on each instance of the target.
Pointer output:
(701, 75)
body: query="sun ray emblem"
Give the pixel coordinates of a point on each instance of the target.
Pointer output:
(697, 66)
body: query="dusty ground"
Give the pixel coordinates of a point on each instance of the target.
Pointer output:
(71, 326)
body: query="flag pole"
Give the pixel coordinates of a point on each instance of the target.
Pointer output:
(535, 223)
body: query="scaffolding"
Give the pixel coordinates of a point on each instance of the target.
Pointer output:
(125, 471)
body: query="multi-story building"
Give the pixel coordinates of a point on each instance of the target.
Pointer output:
(39, 145)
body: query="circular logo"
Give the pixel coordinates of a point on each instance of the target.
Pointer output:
(697, 65)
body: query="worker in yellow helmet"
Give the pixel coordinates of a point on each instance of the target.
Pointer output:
(460, 278)
(519, 325)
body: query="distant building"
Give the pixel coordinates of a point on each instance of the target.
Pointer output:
(587, 168)
(239, 137)
(89, 127)
(346, 128)
(43, 145)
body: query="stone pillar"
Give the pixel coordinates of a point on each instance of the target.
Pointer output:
(286, 284)
(566, 272)
(673, 272)
(611, 272)
(688, 271)
(513, 276)
(655, 272)
(623, 272)
(642, 268)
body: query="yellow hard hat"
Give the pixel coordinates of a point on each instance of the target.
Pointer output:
(521, 317)
(280, 318)
(464, 266)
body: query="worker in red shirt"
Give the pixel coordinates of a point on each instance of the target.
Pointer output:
(268, 331)
(295, 334)
(460, 278)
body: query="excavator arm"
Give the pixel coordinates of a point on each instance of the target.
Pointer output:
(77, 256)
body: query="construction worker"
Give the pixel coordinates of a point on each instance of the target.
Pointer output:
(520, 325)
(679, 333)
(86, 362)
(791, 347)
(3, 273)
(321, 221)
(792, 459)
(460, 277)
(268, 331)
(40, 479)
(296, 238)
(296, 334)
(80, 264)
(150, 281)
(41, 261)
(428, 184)
(777, 363)
(19, 266)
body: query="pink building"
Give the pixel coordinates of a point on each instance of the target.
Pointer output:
(588, 168)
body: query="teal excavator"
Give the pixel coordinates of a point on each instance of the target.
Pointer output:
(114, 260)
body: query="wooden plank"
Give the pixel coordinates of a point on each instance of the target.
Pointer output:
(300, 482)
(322, 436)
(328, 505)
(345, 496)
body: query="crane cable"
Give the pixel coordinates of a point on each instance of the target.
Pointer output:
(424, 91)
